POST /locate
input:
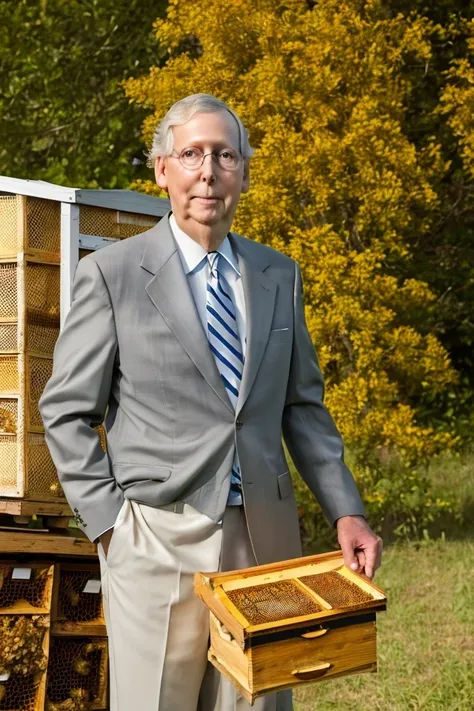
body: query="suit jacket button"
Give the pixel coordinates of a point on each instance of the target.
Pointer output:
(239, 424)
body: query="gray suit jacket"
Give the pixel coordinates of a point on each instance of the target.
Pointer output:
(133, 349)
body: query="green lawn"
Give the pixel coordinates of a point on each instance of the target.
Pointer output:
(425, 639)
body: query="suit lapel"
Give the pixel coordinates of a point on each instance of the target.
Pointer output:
(170, 293)
(260, 294)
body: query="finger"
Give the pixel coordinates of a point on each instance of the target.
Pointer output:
(361, 559)
(350, 559)
(371, 558)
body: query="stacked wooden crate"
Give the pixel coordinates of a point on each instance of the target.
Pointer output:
(25, 613)
(30, 233)
(78, 653)
(56, 610)
(30, 286)
(53, 648)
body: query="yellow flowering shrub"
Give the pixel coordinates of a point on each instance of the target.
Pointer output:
(458, 101)
(338, 186)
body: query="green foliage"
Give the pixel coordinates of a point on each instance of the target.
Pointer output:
(65, 118)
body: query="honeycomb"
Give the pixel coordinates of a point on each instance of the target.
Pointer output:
(336, 589)
(8, 415)
(8, 291)
(9, 225)
(43, 224)
(272, 601)
(32, 590)
(75, 605)
(41, 333)
(77, 664)
(43, 289)
(40, 371)
(104, 222)
(8, 337)
(19, 693)
(8, 464)
(21, 644)
(42, 476)
(9, 376)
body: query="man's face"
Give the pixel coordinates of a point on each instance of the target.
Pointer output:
(207, 196)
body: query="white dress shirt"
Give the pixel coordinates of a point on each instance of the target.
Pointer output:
(196, 267)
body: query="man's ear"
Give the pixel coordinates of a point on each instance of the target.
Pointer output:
(246, 177)
(160, 173)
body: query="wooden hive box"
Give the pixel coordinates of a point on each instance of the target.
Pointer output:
(30, 297)
(281, 625)
(19, 691)
(77, 601)
(28, 595)
(29, 327)
(77, 665)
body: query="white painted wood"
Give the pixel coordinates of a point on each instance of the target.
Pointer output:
(37, 188)
(69, 254)
(124, 200)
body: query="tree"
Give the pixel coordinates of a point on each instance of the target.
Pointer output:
(339, 184)
(64, 114)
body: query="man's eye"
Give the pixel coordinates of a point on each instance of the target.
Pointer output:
(190, 153)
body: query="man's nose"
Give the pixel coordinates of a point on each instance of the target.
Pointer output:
(208, 169)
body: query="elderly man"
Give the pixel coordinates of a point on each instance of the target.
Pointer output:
(193, 340)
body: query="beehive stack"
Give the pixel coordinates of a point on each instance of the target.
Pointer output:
(25, 607)
(29, 327)
(77, 673)
(53, 645)
(30, 245)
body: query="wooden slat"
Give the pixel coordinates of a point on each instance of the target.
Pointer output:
(362, 582)
(259, 578)
(75, 629)
(59, 544)
(18, 507)
(215, 579)
(203, 591)
(41, 695)
(100, 702)
(229, 650)
(318, 599)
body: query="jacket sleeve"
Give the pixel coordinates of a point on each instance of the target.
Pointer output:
(76, 398)
(310, 434)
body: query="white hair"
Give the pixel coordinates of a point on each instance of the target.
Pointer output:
(180, 113)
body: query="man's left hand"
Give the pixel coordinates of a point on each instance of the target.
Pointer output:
(361, 547)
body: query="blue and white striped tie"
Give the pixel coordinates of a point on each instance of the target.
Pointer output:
(224, 341)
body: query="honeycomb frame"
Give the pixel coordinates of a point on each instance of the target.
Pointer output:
(65, 652)
(33, 685)
(26, 596)
(75, 612)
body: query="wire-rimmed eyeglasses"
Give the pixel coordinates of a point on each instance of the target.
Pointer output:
(193, 158)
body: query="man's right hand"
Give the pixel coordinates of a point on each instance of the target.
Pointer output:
(105, 539)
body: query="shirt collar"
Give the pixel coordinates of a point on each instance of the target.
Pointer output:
(192, 254)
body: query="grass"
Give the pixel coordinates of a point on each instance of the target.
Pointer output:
(425, 639)
(452, 477)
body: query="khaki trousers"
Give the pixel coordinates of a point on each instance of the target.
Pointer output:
(158, 629)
